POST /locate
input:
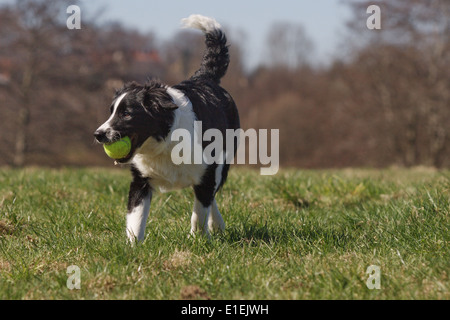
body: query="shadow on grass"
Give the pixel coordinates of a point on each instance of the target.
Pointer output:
(326, 237)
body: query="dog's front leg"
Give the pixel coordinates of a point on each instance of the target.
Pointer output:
(139, 199)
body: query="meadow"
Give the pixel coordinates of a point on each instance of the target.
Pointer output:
(301, 234)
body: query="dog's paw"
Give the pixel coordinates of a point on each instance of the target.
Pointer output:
(199, 233)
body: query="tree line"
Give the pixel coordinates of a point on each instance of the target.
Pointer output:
(384, 99)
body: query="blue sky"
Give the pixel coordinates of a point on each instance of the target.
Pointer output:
(323, 20)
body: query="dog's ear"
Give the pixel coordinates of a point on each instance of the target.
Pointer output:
(157, 100)
(167, 103)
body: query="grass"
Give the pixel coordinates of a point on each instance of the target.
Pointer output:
(297, 235)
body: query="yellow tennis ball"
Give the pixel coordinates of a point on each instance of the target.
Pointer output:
(118, 149)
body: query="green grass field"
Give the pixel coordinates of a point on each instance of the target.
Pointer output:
(297, 235)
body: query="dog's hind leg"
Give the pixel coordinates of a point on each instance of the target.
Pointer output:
(206, 216)
(199, 218)
(215, 220)
(204, 198)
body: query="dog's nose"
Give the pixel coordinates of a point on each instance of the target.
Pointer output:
(100, 136)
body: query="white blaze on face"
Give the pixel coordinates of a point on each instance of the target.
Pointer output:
(106, 125)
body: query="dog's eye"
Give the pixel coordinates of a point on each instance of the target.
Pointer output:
(126, 115)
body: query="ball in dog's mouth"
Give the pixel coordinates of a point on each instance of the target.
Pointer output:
(118, 149)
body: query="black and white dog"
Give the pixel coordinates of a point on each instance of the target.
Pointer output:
(149, 113)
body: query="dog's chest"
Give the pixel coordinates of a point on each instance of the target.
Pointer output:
(165, 175)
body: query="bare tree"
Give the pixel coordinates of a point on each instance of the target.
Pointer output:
(28, 34)
(406, 67)
(61, 78)
(386, 103)
(288, 45)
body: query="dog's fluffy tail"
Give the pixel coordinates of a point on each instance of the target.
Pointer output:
(216, 58)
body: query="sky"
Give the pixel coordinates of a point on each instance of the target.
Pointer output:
(323, 20)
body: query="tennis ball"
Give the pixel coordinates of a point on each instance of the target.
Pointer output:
(118, 149)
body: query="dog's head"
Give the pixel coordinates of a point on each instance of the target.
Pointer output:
(139, 112)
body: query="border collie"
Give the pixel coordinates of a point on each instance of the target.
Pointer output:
(149, 113)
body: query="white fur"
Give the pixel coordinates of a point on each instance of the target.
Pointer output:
(153, 158)
(215, 220)
(106, 125)
(208, 220)
(180, 99)
(199, 218)
(136, 220)
(200, 22)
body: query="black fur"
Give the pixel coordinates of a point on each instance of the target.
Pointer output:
(157, 104)
(216, 109)
(139, 189)
(216, 58)
(212, 105)
(148, 111)
(205, 192)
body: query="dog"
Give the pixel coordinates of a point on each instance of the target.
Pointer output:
(149, 113)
